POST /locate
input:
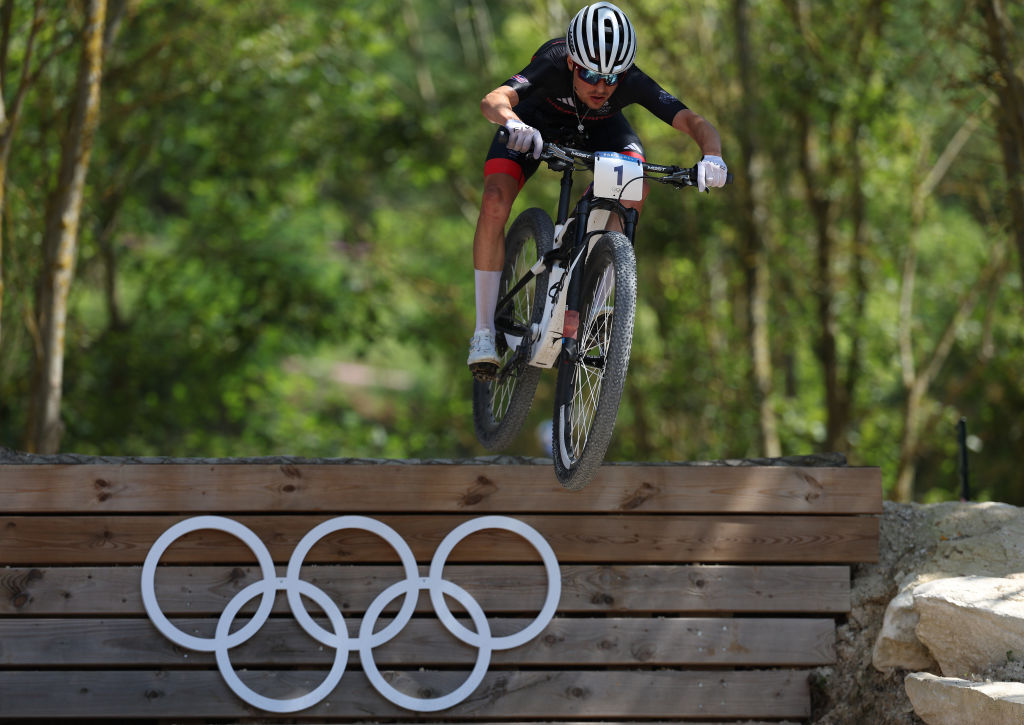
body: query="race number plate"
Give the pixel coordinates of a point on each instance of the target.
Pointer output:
(617, 176)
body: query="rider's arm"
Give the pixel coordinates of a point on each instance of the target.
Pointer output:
(497, 105)
(700, 130)
(497, 108)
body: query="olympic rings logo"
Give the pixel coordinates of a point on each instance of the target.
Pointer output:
(295, 588)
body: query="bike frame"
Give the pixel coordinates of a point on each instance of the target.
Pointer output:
(583, 265)
(556, 333)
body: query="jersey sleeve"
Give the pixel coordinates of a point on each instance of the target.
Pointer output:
(542, 73)
(654, 98)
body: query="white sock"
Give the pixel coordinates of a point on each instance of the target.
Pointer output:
(487, 285)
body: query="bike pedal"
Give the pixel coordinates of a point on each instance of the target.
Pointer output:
(484, 372)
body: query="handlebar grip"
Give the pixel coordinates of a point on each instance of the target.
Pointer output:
(502, 134)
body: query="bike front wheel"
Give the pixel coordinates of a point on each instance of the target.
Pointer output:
(589, 388)
(500, 406)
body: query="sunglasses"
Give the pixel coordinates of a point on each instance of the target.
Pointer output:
(591, 78)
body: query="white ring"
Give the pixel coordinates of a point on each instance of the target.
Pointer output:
(550, 564)
(329, 527)
(270, 704)
(424, 704)
(198, 523)
(295, 588)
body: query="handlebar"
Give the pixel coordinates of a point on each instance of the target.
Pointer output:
(557, 155)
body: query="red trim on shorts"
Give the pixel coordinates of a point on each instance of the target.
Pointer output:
(505, 166)
(634, 154)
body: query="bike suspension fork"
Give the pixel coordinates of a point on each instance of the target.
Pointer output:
(629, 225)
(570, 328)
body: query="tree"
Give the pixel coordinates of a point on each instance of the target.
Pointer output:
(918, 376)
(752, 191)
(10, 117)
(1005, 77)
(60, 237)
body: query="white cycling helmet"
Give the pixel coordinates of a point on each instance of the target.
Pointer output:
(601, 38)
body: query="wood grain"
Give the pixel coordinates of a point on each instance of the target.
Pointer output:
(565, 642)
(30, 540)
(527, 694)
(678, 582)
(355, 488)
(635, 589)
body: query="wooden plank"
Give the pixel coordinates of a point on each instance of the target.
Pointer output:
(31, 540)
(476, 488)
(191, 591)
(524, 694)
(565, 642)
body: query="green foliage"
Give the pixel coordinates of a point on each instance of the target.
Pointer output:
(275, 253)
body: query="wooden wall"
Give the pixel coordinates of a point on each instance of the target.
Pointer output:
(701, 594)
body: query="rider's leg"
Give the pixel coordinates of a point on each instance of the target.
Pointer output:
(615, 133)
(505, 172)
(615, 223)
(500, 190)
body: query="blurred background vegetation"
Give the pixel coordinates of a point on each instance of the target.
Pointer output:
(270, 251)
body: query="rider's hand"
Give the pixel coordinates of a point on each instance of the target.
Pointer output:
(711, 173)
(521, 137)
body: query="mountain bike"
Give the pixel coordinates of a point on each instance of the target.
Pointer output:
(567, 300)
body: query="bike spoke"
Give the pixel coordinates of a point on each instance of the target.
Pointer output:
(503, 389)
(590, 369)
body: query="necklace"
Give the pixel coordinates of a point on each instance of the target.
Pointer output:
(576, 109)
(578, 118)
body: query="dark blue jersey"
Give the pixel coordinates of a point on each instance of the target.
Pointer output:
(547, 99)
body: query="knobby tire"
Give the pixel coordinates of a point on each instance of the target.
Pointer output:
(500, 407)
(588, 390)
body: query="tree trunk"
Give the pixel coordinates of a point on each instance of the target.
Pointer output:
(916, 381)
(9, 119)
(827, 348)
(755, 261)
(60, 237)
(858, 218)
(1008, 85)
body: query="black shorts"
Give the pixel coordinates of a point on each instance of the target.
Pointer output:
(608, 134)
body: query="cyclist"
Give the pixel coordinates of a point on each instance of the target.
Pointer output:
(572, 92)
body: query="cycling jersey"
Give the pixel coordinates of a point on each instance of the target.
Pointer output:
(546, 97)
(548, 102)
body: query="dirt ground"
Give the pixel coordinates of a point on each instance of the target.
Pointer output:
(852, 691)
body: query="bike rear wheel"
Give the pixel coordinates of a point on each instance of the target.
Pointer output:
(500, 406)
(589, 389)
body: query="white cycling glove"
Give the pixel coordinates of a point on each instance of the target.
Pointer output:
(711, 173)
(521, 137)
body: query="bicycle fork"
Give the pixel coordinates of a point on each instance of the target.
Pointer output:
(571, 322)
(577, 269)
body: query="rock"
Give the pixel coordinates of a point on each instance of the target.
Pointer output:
(897, 646)
(972, 623)
(952, 701)
(985, 539)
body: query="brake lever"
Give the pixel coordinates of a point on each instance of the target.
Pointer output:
(551, 151)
